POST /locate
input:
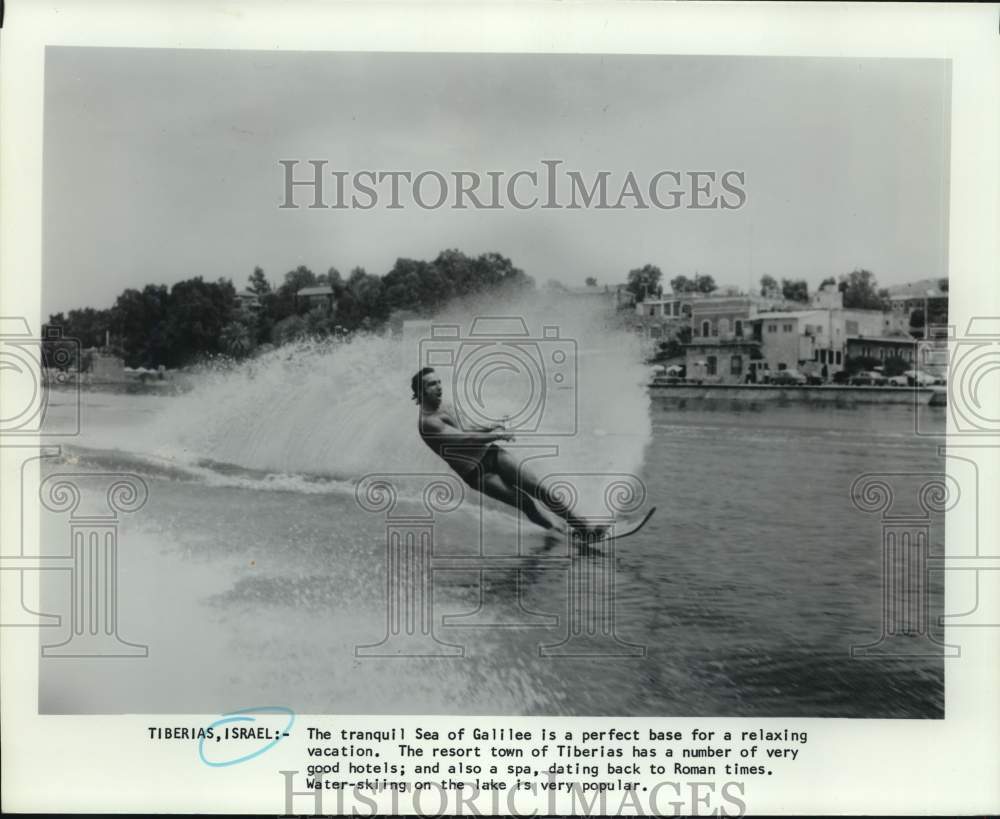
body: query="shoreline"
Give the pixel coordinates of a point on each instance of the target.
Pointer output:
(820, 394)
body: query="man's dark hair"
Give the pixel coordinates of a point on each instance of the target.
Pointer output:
(417, 383)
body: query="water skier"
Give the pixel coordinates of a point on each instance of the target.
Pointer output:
(481, 463)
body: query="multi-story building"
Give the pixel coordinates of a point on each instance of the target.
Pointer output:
(724, 347)
(740, 338)
(929, 297)
(816, 341)
(913, 295)
(659, 319)
(676, 305)
(743, 338)
(309, 298)
(247, 300)
(883, 348)
(791, 340)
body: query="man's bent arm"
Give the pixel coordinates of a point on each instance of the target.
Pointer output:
(435, 428)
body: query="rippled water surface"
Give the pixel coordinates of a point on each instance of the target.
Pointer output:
(255, 582)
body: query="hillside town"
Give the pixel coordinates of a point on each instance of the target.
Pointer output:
(763, 338)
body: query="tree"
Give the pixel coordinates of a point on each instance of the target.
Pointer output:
(590, 281)
(319, 323)
(290, 328)
(238, 338)
(699, 284)
(768, 286)
(412, 285)
(704, 284)
(367, 291)
(139, 319)
(300, 277)
(681, 284)
(197, 312)
(284, 303)
(917, 320)
(861, 292)
(643, 281)
(826, 281)
(155, 326)
(795, 290)
(332, 278)
(258, 282)
(496, 271)
(77, 330)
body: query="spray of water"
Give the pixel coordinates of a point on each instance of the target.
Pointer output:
(303, 578)
(344, 410)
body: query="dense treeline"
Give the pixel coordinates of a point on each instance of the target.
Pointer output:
(194, 318)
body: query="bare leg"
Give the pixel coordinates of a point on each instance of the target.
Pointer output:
(508, 470)
(494, 486)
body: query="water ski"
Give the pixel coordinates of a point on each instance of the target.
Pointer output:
(621, 529)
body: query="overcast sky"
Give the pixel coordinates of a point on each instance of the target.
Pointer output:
(161, 165)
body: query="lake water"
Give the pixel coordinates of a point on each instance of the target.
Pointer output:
(253, 574)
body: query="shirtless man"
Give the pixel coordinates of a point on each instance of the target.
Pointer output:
(475, 456)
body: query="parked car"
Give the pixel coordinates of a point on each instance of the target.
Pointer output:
(867, 379)
(916, 378)
(785, 377)
(899, 381)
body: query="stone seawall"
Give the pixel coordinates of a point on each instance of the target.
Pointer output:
(826, 394)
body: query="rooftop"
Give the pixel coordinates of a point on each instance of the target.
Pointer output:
(316, 291)
(723, 341)
(884, 339)
(795, 314)
(931, 288)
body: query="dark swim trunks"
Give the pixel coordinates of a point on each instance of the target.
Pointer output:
(488, 463)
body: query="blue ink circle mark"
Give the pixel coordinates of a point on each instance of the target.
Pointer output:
(234, 716)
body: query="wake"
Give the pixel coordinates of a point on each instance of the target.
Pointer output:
(317, 416)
